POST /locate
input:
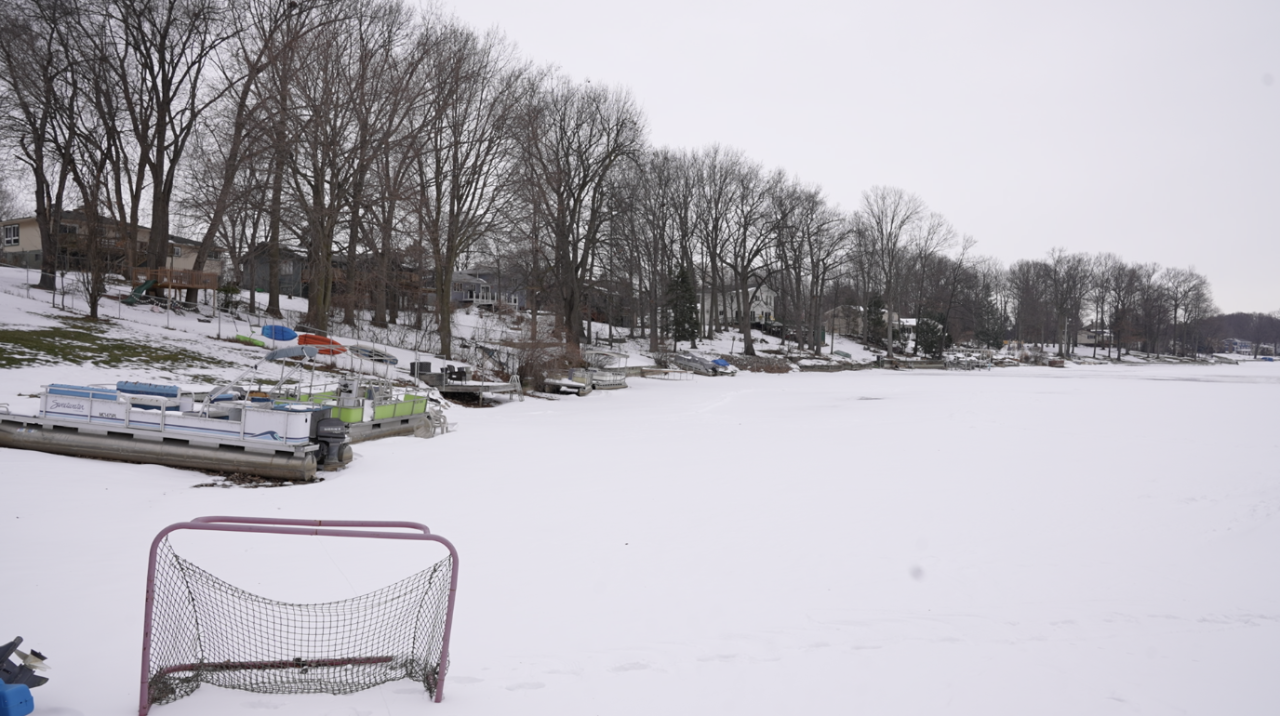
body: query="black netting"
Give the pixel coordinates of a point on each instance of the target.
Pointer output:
(205, 630)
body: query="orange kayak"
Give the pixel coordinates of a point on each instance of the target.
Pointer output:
(329, 347)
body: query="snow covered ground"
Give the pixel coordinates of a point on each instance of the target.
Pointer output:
(1087, 540)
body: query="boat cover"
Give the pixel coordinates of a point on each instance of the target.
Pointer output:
(293, 352)
(135, 388)
(81, 391)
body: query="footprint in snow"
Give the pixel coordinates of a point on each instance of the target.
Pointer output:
(632, 666)
(526, 686)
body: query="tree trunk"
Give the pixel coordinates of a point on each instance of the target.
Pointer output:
(273, 235)
(444, 307)
(744, 315)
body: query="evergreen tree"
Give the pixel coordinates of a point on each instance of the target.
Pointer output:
(875, 320)
(990, 323)
(931, 335)
(683, 302)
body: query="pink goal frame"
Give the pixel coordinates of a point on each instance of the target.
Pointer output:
(318, 528)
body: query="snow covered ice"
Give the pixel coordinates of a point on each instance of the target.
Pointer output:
(1091, 540)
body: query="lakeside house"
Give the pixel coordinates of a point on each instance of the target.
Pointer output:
(484, 287)
(255, 270)
(729, 303)
(20, 244)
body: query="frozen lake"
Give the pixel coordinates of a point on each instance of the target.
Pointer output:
(1077, 541)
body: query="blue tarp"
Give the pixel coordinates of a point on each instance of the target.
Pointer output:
(163, 391)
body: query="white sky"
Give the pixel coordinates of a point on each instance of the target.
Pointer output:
(1149, 129)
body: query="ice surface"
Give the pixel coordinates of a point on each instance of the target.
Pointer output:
(1095, 540)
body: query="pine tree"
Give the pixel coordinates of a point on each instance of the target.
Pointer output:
(875, 320)
(683, 302)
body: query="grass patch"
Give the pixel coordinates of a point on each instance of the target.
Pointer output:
(82, 341)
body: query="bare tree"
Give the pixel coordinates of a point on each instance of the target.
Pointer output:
(1028, 284)
(1070, 281)
(325, 150)
(574, 138)
(1152, 305)
(717, 168)
(889, 216)
(262, 36)
(164, 50)
(653, 187)
(89, 114)
(33, 71)
(1123, 289)
(928, 240)
(10, 205)
(810, 240)
(752, 228)
(462, 152)
(1102, 272)
(1185, 291)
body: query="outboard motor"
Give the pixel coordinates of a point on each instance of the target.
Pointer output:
(332, 436)
(21, 673)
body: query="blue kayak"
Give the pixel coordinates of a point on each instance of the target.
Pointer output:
(279, 333)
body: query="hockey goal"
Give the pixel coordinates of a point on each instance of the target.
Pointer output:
(199, 629)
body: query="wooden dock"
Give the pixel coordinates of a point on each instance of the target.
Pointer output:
(479, 387)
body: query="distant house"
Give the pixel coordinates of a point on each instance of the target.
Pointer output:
(503, 289)
(1237, 345)
(610, 300)
(729, 303)
(1093, 336)
(844, 320)
(483, 286)
(255, 270)
(20, 243)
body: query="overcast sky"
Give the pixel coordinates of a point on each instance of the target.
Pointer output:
(1148, 129)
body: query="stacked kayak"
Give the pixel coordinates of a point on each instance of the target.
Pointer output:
(326, 346)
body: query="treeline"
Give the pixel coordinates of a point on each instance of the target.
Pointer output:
(392, 147)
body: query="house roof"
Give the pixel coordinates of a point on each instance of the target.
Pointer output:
(78, 216)
(259, 249)
(468, 277)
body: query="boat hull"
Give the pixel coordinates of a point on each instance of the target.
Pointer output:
(123, 447)
(328, 346)
(420, 425)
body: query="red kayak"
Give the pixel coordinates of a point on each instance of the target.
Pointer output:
(329, 347)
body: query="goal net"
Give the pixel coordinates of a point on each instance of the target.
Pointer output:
(200, 629)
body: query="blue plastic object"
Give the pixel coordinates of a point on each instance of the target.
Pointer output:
(279, 333)
(163, 391)
(15, 700)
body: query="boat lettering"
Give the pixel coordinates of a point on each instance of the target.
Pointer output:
(58, 404)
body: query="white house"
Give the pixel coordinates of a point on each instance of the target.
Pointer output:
(1093, 336)
(728, 303)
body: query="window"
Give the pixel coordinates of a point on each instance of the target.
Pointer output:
(11, 235)
(66, 228)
